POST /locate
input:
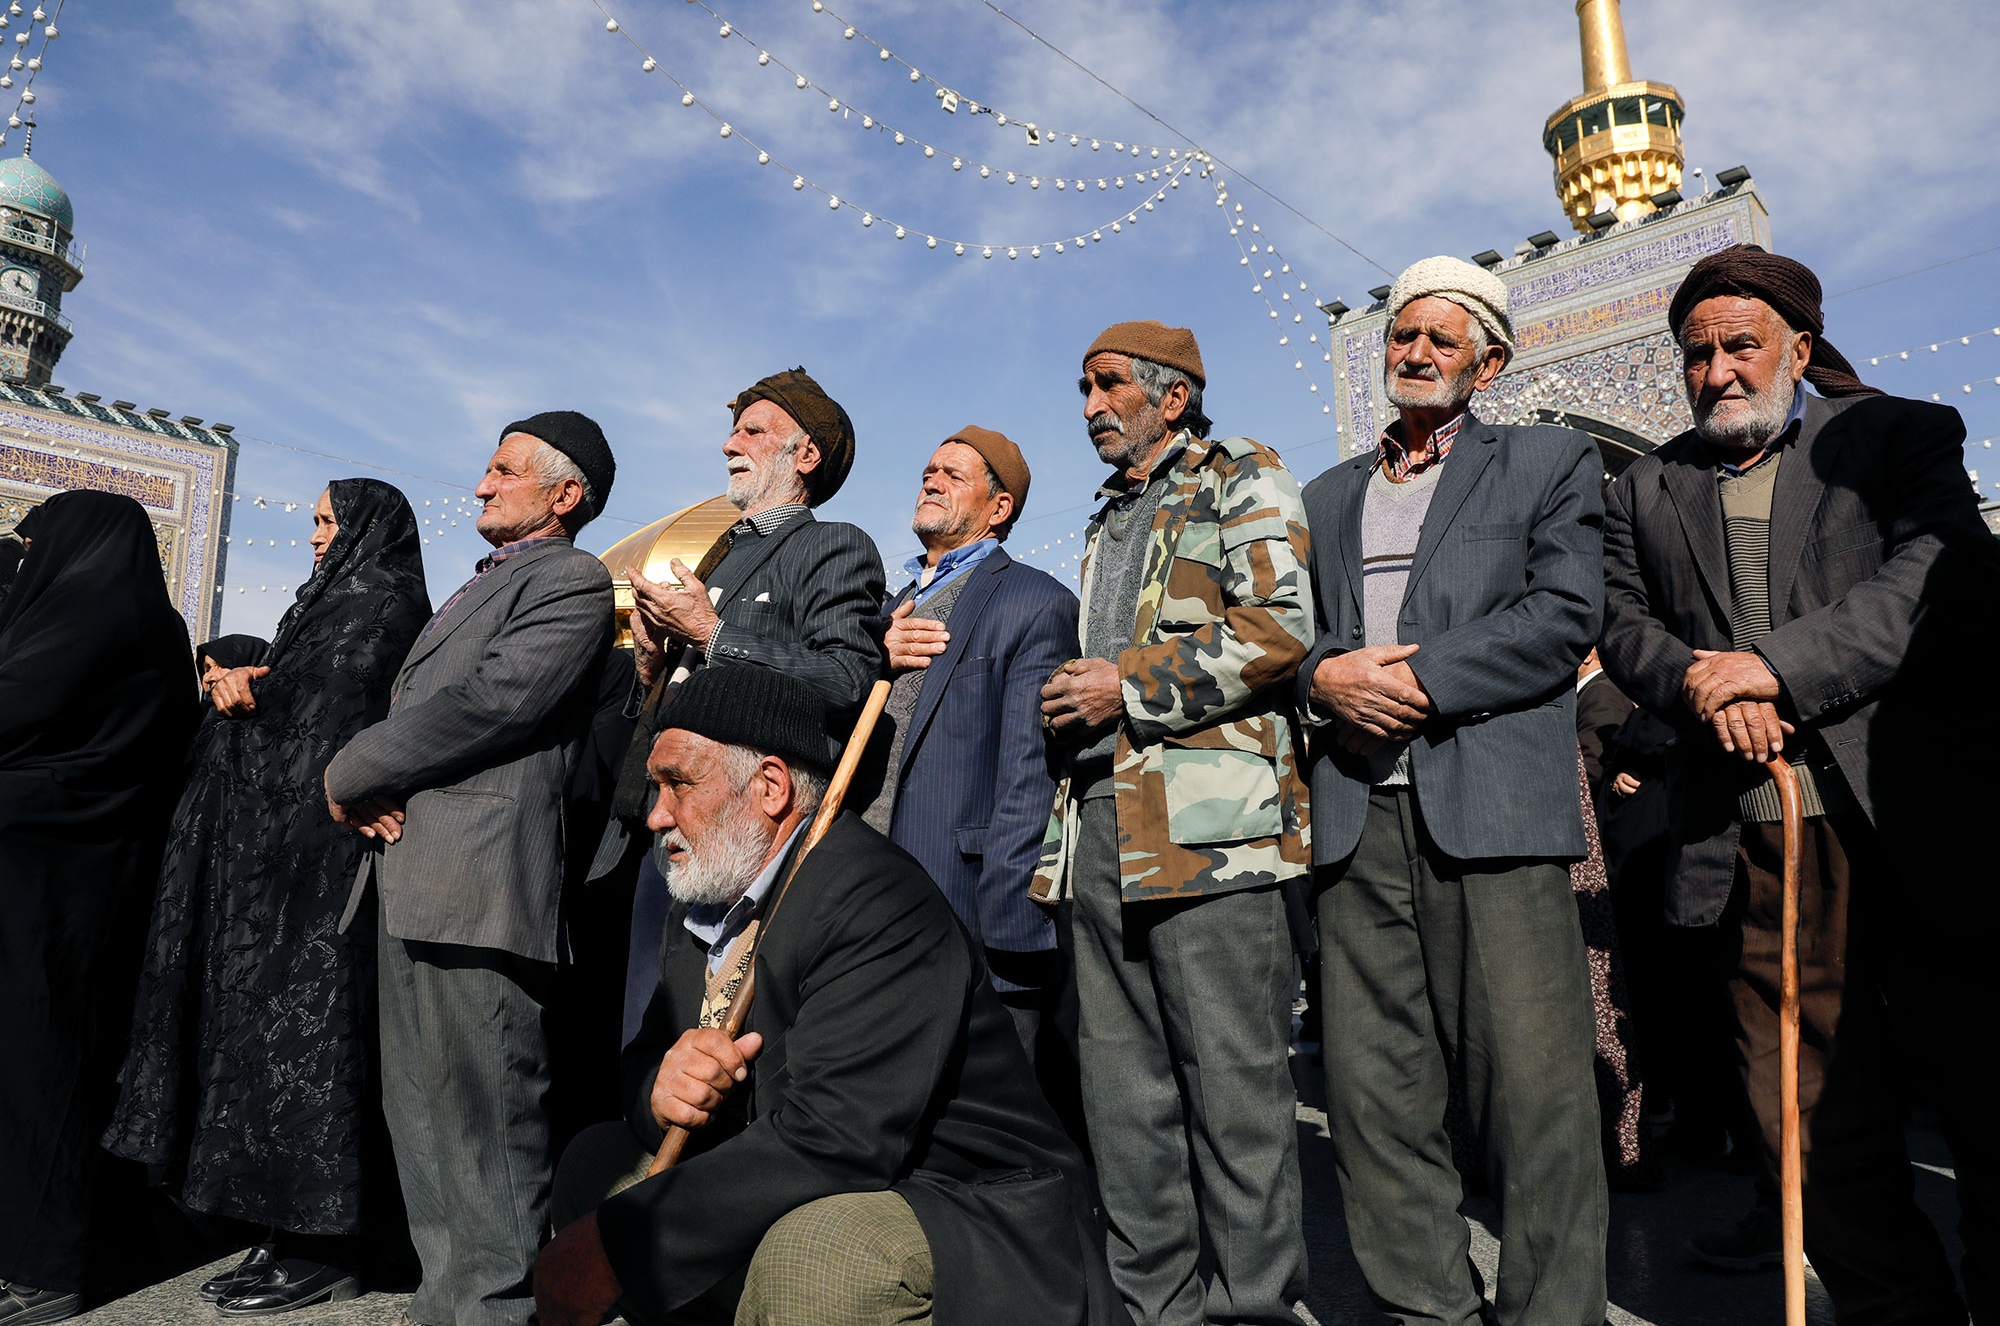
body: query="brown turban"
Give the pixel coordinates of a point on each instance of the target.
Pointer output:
(1790, 288)
(1009, 466)
(794, 392)
(1173, 346)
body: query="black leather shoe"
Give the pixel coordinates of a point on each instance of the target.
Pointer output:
(241, 1277)
(291, 1284)
(22, 1306)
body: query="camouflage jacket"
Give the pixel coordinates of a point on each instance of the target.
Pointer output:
(1209, 794)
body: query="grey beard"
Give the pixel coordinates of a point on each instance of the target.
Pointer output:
(724, 866)
(748, 489)
(1140, 435)
(1444, 394)
(1752, 425)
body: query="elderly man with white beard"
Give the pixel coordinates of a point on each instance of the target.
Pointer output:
(780, 589)
(1458, 576)
(872, 1148)
(1805, 573)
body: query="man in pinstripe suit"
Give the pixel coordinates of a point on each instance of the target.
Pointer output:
(971, 640)
(462, 787)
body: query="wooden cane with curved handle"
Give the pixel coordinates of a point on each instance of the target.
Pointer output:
(829, 810)
(1791, 1159)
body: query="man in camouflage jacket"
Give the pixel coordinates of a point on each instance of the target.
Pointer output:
(1181, 814)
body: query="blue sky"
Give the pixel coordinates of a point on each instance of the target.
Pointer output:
(383, 231)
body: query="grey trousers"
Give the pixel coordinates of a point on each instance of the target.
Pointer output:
(1184, 1028)
(1430, 965)
(464, 1071)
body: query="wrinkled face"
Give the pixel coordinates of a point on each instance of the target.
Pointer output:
(715, 839)
(1741, 365)
(1124, 426)
(1430, 360)
(959, 504)
(518, 501)
(324, 527)
(768, 458)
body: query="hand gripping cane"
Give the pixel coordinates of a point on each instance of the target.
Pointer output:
(1791, 1165)
(829, 809)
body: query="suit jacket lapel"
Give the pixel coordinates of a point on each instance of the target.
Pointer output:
(1350, 490)
(982, 580)
(733, 574)
(461, 612)
(1473, 451)
(1795, 497)
(1690, 483)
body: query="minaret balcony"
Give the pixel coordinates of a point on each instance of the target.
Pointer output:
(68, 258)
(37, 308)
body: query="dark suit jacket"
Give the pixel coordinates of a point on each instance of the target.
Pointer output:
(486, 721)
(888, 1063)
(1601, 709)
(1879, 564)
(1504, 598)
(974, 784)
(802, 599)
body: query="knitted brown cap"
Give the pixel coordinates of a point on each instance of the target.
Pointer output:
(1173, 346)
(1006, 461)
(825, 422)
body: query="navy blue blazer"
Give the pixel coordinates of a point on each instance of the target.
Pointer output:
(974, 785)
(1504, 600)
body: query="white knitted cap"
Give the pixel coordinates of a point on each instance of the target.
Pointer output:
(1473, 288)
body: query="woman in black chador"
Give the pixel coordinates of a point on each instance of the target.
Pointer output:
(250, 1073)
(97, 695)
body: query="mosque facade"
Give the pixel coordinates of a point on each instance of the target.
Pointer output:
(180, 470)
(1593, 350)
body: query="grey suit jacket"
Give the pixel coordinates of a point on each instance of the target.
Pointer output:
(1504, 599)
(485, 722)
(1881, 576)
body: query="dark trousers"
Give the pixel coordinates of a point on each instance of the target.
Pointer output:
(1184, 1026)
(464, 1079)
(1043, 1007)
(1875, 1251)
(1433, 966)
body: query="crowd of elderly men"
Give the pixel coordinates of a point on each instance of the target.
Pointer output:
(1019, 1045)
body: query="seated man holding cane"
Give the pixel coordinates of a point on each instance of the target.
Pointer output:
(872, 1149)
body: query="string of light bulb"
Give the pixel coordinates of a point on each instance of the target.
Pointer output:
(1934, 346)
(800, 182)
(33, 64)
(959, 162)
(951, 98)
(1274, 268)
(1965, 388)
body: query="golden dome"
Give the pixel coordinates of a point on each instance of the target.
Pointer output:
(687, 534)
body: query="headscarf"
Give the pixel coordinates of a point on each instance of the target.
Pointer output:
(96, 680)
(1790, 288)
(825, 422)
(377, 552)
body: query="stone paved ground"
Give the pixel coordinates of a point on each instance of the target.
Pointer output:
(1653, 1281)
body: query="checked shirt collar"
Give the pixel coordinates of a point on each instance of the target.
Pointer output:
(1396, 462)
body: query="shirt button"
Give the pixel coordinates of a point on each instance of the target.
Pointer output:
(1355, 632)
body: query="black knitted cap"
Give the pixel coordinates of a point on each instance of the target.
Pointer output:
(746, 704)
(578, 437)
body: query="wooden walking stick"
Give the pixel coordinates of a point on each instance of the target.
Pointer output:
(1791, 1161)
(829, 808)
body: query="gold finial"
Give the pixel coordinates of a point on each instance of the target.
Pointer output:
(1604, 58)
(1617, 146)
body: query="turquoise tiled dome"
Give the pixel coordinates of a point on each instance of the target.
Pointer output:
(26, 185)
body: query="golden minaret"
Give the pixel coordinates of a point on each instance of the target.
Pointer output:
(1618, 144)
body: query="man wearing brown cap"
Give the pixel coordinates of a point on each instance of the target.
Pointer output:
(971, 639)
(780, 589)
(1180, 820)
(1808, 575)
